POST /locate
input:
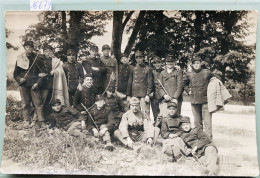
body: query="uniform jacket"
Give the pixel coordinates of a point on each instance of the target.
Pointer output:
(22, 65)
(136, 122)
(98, 76)
(156, 87)
(74, 74)
(170, 125)
(45, 65)
(112, 66)
(123, 76)
(100, 116)
(196, 137)
(198, 82)
(217, 94)
(65, 117)
(140, 81)
(172, 82)
(86, 97)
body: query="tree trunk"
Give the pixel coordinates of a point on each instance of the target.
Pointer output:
(198, 31)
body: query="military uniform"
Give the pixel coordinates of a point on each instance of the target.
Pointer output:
(197, 81)
(86, 97)
(170, 125)
(75, 75)
(23, 64)
(98, 76)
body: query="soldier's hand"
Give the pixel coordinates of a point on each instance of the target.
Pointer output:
(193, 151)
(151, 95)
(149, 141)
(52, 72)
(177, 67)
(83, 112)
(79, 87)
(129, 142)
(35, 86)
(83, 125)
(95, 132)
(188, 151)
(42, 74)
(167, 97)
(147, 99)
(173, 135)
(113, 76)
(128, 98)
(95, 68)
(103, 131)
(174, 100)
(22, 80)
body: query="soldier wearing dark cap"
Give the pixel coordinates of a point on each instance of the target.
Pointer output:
(86, 95)
(67, 118)
(26, 75)
(99, 124)
(171, 84)
(94, 66)
(197, 81)
(156, 96)
(111, 65)
(140, 83)
(74, 73)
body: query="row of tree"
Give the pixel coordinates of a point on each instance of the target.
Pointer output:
(217, 36)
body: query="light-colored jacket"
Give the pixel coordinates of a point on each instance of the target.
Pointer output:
(217, 94)
(129, 119)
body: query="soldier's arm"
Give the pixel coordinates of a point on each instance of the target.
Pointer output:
(16, 73)
(73, 111)
(76, 100)
(129, 84)
(149, 81)
(81, 74)
(186, 82)
(164, 129)
(52, 121)
(203, 139)
(161, 90)
(116, 73)
(123, 126)
(179, 90)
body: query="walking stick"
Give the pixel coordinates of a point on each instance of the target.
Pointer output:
(90, 116)
(163, 87)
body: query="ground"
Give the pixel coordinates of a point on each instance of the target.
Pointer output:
(53, 151)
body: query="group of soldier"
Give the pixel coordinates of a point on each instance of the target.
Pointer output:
(98, 96)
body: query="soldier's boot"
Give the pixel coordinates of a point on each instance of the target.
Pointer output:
(33, 124)
(26, 124)
(109, 146)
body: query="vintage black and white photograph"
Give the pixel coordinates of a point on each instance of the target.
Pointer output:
(141, 92)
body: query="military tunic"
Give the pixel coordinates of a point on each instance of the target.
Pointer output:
(45, 66)
(123, 76)
(140, 81)
(111, 65)
(170, 125)
(86, 97)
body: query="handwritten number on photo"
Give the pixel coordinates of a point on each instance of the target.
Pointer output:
(40, 5)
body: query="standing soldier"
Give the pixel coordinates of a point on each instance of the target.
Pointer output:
(111, 65)
(156, 98)
(74, 73)
(198, 80)
(140, 82)
(94, 66)
(171, 85)
(26, 75)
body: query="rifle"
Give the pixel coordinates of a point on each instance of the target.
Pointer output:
(90, 116)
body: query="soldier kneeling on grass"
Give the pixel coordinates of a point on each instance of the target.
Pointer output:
(197, 143)
(98, 121)
(67, 118)
(136, 126)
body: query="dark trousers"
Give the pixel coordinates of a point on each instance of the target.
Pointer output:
(202, 117)
(46, 99)
(71, 95)
(28, 95)
(155, 106)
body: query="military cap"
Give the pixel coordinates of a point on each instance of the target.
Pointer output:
(134, 100)
(71, 52)
(56, 102)
(99, 97)
(172, 104)
(28, 43)
(139, 54)
(94, 48)
(170, 58)
(87, 75)
(124, 55)
(104, 47)
(46, 46)
(156, 59)
(196, 58)
(185, 119)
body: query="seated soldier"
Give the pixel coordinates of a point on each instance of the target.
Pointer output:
(98, 121)
(67, 118)
(136, 126)
(196, 142)
(86, 96)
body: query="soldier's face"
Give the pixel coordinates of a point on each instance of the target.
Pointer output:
(71, 58)
(28, 49)
(100, 104)
(106, 52)
(56, 108)
(134, 107)
(93, 53)
(109, 94)
(139, 60)
(48, 53)
(196, 65)
(170, 65)
(88, 81)
(186, 127)
(172, 111)
(124, 60)
(157, 65)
